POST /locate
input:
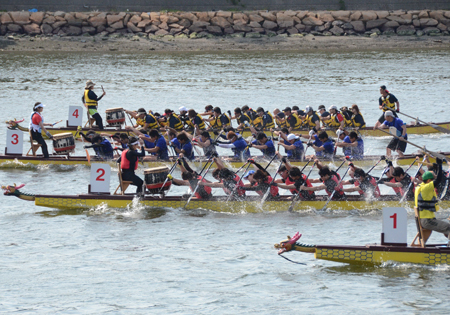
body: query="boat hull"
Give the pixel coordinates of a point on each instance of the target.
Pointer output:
(12, 161)
(379, 254)
(218, 204)
(367, 131)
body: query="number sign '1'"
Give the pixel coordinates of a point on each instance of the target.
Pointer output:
(75, 116)
(100, 177)
(14, 141)
(395, 225)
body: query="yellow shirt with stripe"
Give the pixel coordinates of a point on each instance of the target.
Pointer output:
(427, 192)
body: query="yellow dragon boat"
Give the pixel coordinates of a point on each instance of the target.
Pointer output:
(14, 160)
(370, 254)
(251, 204)
(367, 131)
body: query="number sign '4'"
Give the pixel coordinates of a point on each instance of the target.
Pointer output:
(14, 141)
(395, 225)
(100, 177)
(75, 116)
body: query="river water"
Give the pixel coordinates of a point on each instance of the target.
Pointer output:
(141, 261)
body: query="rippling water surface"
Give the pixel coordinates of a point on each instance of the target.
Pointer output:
(143, 260)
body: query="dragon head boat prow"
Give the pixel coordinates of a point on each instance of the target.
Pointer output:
(13, 123)
(291, 244)
(14, 191)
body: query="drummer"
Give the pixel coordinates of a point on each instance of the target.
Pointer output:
(129, 161)
(90, 101)
(37, 126)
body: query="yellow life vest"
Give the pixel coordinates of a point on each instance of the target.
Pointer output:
(334, 122)
(355, 124)
(153, 125)
(308, 120)
(387, 103)
(178, 125)
(140, 122)
(270, 124)
(426, 200)
(92, 104)
(298, 122)
(201, 125)
(217, 123)
(281, 124)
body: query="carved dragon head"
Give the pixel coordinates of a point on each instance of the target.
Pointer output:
(12, 190)
(286, 245)
(13, 123)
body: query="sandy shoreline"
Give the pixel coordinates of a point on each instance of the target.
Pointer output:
(307, 43)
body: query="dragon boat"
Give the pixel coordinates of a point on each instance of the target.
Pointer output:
(251, 204)
(14, 160)
(370, 254)
(415, 128)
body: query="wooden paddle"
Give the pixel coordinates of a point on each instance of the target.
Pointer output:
(87, 153)
(56, 123)
(412, 182)
(435, 154)
(199, 180)
(170, 172)
(240, 179)
(270, 185)
(332, 194)
(439, 128)
(297, 197)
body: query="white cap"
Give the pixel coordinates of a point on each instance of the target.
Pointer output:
(312, 133)
(333, 107)
(40, 105)
(291, 137)
(308, 109)
(183, 109)
(388, 113)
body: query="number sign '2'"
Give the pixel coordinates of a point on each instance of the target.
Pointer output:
(75, 116)
(100, 177)
(395, 225)
(14, 142)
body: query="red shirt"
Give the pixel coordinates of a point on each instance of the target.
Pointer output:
(36, 119)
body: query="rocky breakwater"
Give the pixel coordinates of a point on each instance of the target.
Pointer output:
(224, 23)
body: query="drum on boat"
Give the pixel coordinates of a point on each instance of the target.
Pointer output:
(155, 178)
(64, 143)
(115, 117)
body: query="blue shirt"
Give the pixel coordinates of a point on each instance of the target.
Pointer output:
(162, 145)
(240, 149)
(176, 143)
(318, 143)
(270, 151)
(328, 151)
(398, 124)
(297, 153)
(358, 151)
(347, 150)
(188, 150)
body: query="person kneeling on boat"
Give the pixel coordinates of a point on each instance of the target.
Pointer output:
(37, 126)
(228, 180)
(102, 147)
(329, 181)
(263, 182)
(365, 184)
(191, 178)
(426, 201)
(129, 161)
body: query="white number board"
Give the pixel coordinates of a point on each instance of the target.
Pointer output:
(395, 225)
(75, 116)
(14, 141)
(100, 177)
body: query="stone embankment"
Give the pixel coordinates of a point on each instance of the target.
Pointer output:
(224, 23)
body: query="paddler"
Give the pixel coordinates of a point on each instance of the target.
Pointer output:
(352, 145)
(336, 119)
(160, 145)
(196, 121)
(102, 147)
(397, 144)
(365, 184)
(357, 118)
(311, 119)
(401, 181)
(191, 178)
(144, 120)
(242, 119)
(324, 115)
(326, 149)
(186, 146)
(90, 101)
(293, 122)
(129, 161)
(185, 119)
(230, 182)
(329, 182)
(426, 201)
(264, 144)
(37, 126)
(387, 101)
(204, 140)
(249, 112)
(219, 120)
(237, 145)
(293, 146)
(171, 120)
(263, 183)
(264, 120)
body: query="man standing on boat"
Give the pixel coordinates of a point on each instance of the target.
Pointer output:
(90, 101)
(426, 201)
(387, 102)
(397, 143)
(37, 126)
(129, 161)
